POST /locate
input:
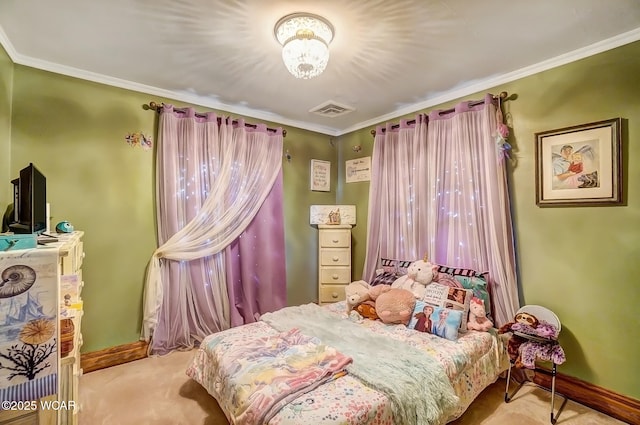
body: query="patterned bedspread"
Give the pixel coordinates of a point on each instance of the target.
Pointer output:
(471, 363)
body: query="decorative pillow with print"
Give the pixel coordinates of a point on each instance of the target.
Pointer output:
(439, 321)
(449, 297)
(479, 286)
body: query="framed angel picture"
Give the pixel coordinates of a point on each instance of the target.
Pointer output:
(580, 165)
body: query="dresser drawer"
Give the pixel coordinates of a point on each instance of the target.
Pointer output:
(338, 238)
(335, 257)
(335, 275)
(331, 293)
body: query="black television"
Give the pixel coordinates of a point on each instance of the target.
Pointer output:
(30, 201)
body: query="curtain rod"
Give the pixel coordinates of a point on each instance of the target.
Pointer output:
(503, 95)
(154, 106)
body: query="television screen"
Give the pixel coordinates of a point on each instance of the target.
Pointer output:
(31, 202)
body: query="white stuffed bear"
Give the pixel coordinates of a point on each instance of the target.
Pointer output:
(419, 274)
(356, 293)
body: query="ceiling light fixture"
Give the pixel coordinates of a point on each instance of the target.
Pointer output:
(305, 42)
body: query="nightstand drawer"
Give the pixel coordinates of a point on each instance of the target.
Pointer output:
(335, 238)
(335, 257)
(332, 293)
(335, 275)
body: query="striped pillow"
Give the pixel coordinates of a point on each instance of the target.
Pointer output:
(459, 271)
(399, 267)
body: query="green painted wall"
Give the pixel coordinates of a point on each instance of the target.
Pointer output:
(580, 262)
(301, 237)
(74, 130)
(6, 85)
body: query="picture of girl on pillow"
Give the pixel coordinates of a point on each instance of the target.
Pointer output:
(447, 324)
(456, 295)
(424, 319)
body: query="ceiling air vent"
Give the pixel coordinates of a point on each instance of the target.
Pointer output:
(332, 109)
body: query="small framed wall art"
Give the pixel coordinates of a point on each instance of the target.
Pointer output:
(358, 170)
(580, 165)
(320, 175)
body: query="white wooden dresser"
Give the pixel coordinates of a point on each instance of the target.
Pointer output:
(334, 261)
(62, 406)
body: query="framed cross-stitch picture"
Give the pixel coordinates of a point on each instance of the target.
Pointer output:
(320, 175)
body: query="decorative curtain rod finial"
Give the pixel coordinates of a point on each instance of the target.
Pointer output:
(153, 106)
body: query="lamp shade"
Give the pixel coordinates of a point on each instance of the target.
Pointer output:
(305, 42)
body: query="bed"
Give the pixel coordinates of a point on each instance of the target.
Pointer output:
(317, 365)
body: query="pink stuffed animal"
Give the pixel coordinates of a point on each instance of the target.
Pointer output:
(478, 316)
(395, 306)
(376, 291)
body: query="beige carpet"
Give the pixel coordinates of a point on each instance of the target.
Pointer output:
(157, 391)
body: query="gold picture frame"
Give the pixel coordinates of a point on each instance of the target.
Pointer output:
(580, 165)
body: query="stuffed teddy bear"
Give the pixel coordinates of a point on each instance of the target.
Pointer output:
(356, 293)
(367, 309)
(395, 306)
(419, 274)
(478, 316)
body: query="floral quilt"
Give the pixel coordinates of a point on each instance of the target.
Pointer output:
(471, 363)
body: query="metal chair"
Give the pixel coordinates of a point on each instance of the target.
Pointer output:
(541, 314)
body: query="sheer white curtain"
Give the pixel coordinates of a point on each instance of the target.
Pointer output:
(470, 225)
(397, 213)
(460, 188)
(239, 168)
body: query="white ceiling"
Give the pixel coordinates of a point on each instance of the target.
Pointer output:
(388, 57)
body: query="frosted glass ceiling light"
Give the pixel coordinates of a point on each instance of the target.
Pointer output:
(305, 42)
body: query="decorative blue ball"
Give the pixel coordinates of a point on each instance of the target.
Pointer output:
(64, 227)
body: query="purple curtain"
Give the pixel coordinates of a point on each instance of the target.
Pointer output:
(256, 263)
(215, 179)
(439, 187)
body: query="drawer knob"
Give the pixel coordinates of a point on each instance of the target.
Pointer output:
(334, 276)
(335, 258)
(335, 240)
(334, 295)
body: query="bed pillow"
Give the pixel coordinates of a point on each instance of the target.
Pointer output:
(384, 278)
(449, 297)
(402, 266)
(471, 279)
(458, 271)
(439, 321)
(388, 265)
(399, 267)
(479, 286)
